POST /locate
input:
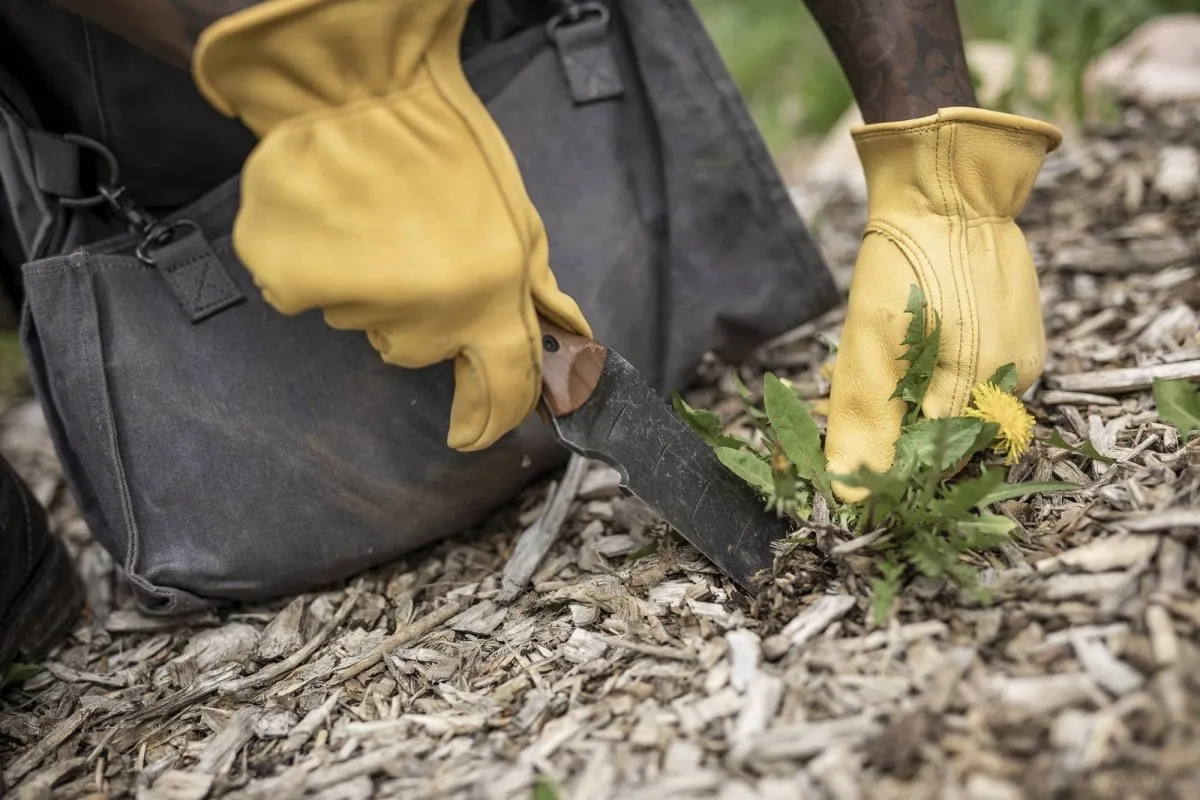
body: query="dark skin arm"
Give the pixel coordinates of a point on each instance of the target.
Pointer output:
(903, 58)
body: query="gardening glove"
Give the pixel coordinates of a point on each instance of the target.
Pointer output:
(942, 192)
(382, 192)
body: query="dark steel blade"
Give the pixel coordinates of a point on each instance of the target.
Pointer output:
(661, 460)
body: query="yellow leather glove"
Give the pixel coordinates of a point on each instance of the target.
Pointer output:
(942, 192)
(383, 193)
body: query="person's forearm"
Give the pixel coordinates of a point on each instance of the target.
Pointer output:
(167, 28)
(903, 58)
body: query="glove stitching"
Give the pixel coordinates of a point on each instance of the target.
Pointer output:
(939, 165)
(962, 270)
(972, 300)
(916, 256)
(944, 174)
(524, 292)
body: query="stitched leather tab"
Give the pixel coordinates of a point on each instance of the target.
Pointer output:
(587, 58)
(196, 276)
(56, 164)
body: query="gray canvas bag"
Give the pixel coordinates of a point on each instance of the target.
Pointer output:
(221, 451)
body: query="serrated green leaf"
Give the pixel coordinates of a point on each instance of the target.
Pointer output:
(928, 554)
(884, 588)
(919, 443)
(1178, 403)
(1005, 378)
(963, 496)
(1086, 449)
(749, 467)
(921, 356)
(706, 424)
(797, 433)
(1011, 490)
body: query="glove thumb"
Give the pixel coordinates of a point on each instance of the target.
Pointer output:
(497, 383)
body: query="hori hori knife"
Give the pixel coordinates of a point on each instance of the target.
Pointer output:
(601, 408)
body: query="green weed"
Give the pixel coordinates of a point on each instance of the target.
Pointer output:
(932, 514)
(1178, 403)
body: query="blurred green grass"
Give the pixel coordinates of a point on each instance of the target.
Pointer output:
(795, 88)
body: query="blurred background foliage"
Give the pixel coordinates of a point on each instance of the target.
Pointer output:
(795, 89)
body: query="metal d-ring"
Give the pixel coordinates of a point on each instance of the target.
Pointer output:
(574, 13)
(110, 161)
(161, 233)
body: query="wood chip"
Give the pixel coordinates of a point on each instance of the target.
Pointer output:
(282, 637)
(816, 618)
(1117, 381)
(1161, 521)
(30, 759)
(218, 755)
(1162, 636)
(537, 539)
(180, 785)
(480, 619)
(1106, 669)
(1102, 555)
(805, 740)
(763, 695)
(405, 635)
(744, 653)
(583, 646)
(274, 672)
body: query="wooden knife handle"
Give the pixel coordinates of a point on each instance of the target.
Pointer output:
(571, 367)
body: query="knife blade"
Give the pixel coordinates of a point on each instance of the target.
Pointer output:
(601, 408)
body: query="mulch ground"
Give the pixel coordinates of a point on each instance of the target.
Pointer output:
(622, 675)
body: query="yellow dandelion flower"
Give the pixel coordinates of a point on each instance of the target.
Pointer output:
(993, 404)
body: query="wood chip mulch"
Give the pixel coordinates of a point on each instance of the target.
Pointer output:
(617, 674)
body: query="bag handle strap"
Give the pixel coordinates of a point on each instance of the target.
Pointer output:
(42, 179)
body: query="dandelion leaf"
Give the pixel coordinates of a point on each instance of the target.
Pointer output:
(963, 496)
(1086, 448)
(1178, 403)
(706, 424)
(921, 356)
(884, 588)
(1005, 378)
(1008, 491)
(797, 433)
(951, 438)
(749, 467)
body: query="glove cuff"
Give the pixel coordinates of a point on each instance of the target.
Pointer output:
(287, 58)
(962, 162)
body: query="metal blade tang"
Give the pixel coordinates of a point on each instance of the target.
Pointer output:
(624, 423)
